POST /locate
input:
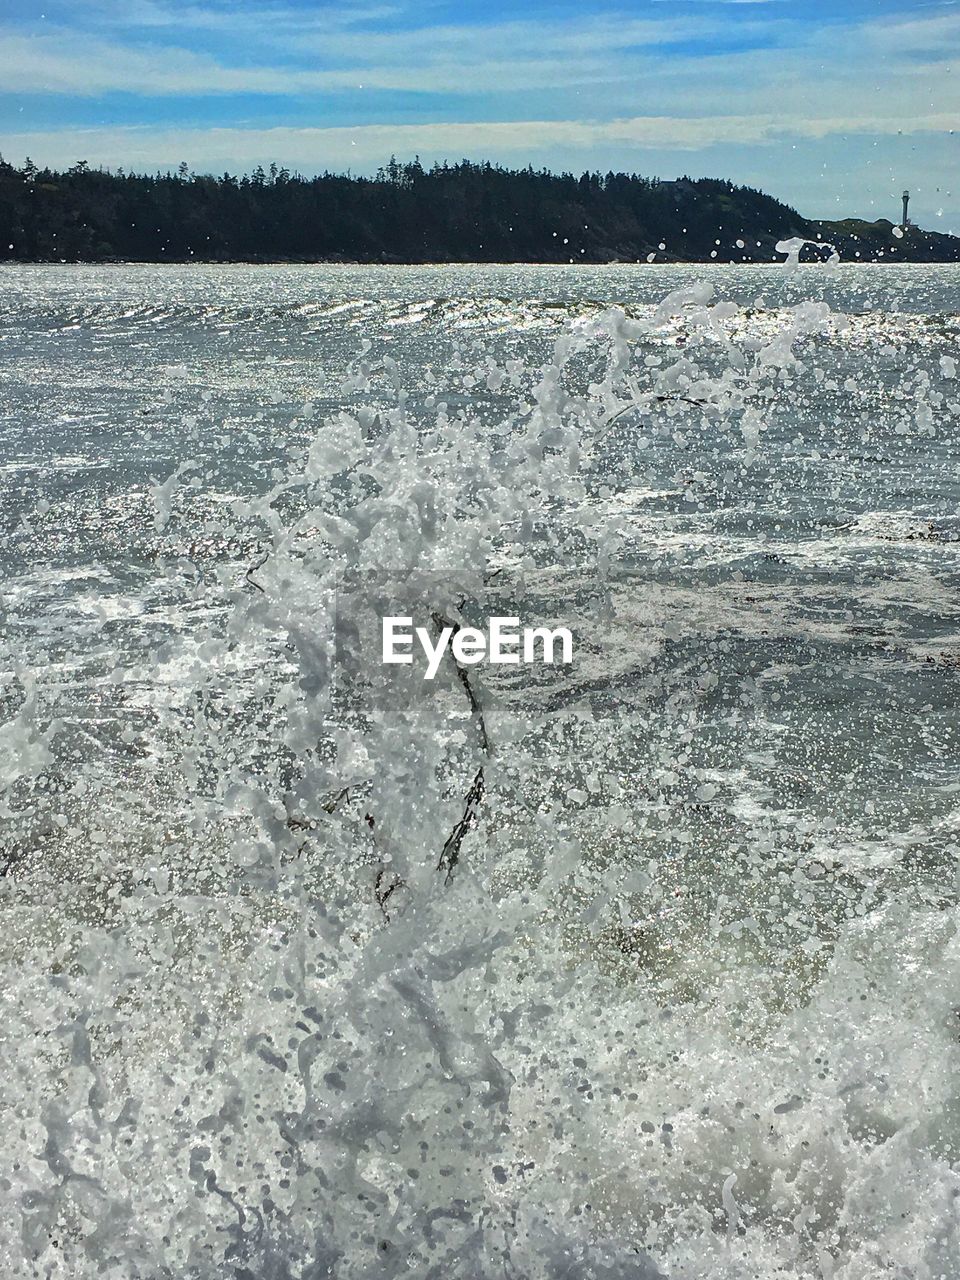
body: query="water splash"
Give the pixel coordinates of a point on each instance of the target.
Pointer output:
(317, 974)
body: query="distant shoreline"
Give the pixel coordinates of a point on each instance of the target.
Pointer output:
(407, 215)
(879, 261)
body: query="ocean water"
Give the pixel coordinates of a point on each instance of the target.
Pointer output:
(645, 966)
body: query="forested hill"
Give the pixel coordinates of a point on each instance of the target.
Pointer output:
(451, 213)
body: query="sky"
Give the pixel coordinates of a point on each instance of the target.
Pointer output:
(832, 105)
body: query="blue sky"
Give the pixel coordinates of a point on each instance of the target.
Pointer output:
(833, 106)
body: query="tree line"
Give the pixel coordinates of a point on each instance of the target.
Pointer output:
(463, 212)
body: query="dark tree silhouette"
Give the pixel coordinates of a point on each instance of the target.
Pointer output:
(464, 212)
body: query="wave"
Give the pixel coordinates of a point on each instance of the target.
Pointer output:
(641, 968)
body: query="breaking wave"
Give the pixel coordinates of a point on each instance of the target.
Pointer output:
(644, 968)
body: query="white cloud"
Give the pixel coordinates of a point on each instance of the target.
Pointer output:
(624, 63)
(84, 66)
(304, 55)
(933, 34)
(313, 149)
(148, 14)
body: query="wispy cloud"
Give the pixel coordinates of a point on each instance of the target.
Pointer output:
(933, 34)
(684, 60)
(145, 13)
(305, 55)
(314, 148)
(89, 67)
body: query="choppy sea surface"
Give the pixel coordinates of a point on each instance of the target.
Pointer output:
(648, 966)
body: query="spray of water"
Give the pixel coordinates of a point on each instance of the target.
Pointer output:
(503, 977)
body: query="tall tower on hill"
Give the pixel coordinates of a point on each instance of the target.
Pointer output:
(906, 201)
